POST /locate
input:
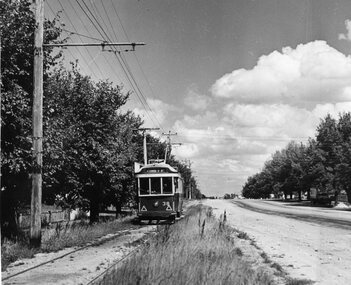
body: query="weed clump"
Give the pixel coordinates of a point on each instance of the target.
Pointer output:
(196, 250)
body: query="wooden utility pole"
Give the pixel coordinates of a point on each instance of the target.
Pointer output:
(0, 109)
(37, 164)
(169, 134)
(188, 189)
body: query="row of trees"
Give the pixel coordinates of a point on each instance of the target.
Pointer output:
(324, 162)
(89, 143)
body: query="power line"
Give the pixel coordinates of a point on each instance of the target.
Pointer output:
(135, 55)
(83, 58)
(129, 75)
(77, 14)
(81, 35)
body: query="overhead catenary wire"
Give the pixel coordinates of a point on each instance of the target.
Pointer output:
(81, 35)
(135, 55)
(53, 13)
(77, 14)
(127, 71)
(102, 33)
(83, 58)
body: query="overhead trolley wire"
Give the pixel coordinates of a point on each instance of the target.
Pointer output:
(135, 55)
(108, 18)
(104, 35)
(78, 34)
(79, 51)
(52, 11)
(108, 62)
(126, 63)
(122, 61)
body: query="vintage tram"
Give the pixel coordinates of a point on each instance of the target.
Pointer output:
(160, 191)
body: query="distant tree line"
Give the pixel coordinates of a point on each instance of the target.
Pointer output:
(324, 162)
(89, 146)
(229, 196)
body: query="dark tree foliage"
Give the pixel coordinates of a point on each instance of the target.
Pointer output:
(324, 163)
(17, 40)
(89, 149)
(89, 144)
(190, 183)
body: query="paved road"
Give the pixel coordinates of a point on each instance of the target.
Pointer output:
(309, 242)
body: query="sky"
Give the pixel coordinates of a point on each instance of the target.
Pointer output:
(235, 79)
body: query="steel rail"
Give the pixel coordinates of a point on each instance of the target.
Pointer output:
(114, 264)
(61, 256)
(134, 251)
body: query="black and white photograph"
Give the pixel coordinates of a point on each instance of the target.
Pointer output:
(175, 142)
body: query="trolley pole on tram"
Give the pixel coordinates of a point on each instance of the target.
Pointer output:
(143, 130)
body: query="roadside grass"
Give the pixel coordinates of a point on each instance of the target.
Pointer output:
(60, 236)
(197, 250)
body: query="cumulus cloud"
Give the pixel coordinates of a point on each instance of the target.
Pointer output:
(321, 110)
(186, 151)
(282, 98)
(346, 36)
(312, 72)
(276, 121)
(158, 114)
(195, 100)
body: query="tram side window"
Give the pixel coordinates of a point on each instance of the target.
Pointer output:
(167, 185)
(144, 186)
(180, 182)
(176, 184)
(155, 185)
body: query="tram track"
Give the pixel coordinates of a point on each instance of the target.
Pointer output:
(44, 267)
(113, 265)
(8, 279)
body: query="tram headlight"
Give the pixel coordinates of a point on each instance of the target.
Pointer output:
(156, 204)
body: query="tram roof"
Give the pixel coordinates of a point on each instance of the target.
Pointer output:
(162, 167)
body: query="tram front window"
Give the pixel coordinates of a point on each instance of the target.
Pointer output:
(155, 185)
(167, 185)
(144, 186)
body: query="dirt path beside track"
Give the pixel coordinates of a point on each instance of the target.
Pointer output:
(77, 267)
(306, 248)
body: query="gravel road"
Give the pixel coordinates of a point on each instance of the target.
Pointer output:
(308, 242)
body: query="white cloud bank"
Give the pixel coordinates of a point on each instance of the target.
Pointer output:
(311, 73)
(283, 97)
(195, 100)
(160, 111)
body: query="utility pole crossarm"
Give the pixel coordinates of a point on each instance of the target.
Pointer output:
(102, 44)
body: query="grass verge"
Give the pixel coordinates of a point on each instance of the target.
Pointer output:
(59, 237)
(197, 250)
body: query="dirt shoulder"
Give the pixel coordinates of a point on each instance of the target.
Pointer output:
(76, 267)
(305, 250)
